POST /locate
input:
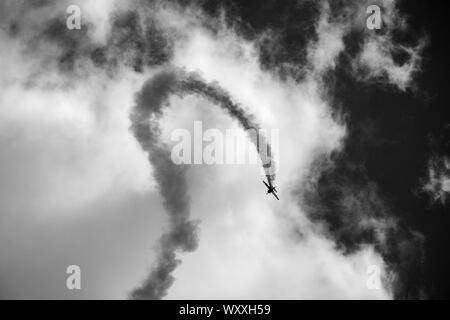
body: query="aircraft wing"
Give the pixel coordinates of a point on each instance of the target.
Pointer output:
(275, 195)
(268, 187)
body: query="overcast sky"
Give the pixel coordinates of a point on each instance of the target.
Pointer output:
(362, 174)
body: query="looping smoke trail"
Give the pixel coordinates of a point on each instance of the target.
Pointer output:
(182, 233)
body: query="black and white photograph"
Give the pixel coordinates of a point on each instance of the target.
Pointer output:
(224, 150)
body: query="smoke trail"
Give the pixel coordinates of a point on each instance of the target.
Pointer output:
(193, 83)
(182, 233)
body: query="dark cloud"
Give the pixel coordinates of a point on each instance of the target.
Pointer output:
(356, 213)
(133, 41)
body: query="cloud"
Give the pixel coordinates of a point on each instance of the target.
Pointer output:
(67, 106)
(437, 184)
(373, 55)
(380, 52)
(355, 213)
(376, 62)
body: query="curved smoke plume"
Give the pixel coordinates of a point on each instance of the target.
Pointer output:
(182, 235)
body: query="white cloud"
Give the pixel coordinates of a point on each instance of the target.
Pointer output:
(69, 148)
(438, 181)
(375, 60)
(323, 53)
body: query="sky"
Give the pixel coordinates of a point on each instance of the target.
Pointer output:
(361, 162)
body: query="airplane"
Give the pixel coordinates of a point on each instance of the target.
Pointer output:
(271, 189)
